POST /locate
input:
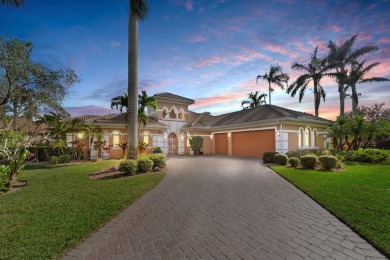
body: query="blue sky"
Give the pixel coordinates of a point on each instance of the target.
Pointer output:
(210, 51)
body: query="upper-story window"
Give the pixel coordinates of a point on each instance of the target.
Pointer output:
(165, 113)
(173, 113)
(181, 114)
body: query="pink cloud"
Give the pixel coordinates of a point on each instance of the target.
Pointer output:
(198, 38)
(384, 40)
(275, 48)
(221, 98)
(189, 5)
(333, 28)
(210, 61)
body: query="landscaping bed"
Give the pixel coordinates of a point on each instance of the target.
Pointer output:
(61, 206)
(359, 196)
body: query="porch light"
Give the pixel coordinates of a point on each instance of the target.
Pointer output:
(229, 134)
(211, 136)
(278, 133)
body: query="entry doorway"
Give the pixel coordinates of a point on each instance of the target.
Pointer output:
(172, 144)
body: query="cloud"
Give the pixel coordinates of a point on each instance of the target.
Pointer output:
(114, 44)
(89, 110)
(197, 38)
(189, 6)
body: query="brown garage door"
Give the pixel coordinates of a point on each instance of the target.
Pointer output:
(221, 144)
(253, 143)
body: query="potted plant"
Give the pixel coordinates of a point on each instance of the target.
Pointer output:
(157, 149)
(196, 144)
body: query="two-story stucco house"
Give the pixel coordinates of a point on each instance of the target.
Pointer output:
(248, 132)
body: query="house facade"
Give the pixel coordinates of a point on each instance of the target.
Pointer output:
(248, 132)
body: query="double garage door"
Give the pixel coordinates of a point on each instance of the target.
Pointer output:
(248, 144)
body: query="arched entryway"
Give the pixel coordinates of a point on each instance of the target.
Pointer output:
(173, 144)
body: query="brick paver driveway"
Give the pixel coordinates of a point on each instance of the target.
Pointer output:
(216, 207)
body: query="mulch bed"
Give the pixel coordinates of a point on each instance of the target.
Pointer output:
(111, 173)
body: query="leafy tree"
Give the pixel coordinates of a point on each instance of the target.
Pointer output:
(314, 71)
(340, 57)
(274, 76)
(138, 11)
(120, 102)
(14, 3)
(357, 75)
(255, 99)
(28, 88)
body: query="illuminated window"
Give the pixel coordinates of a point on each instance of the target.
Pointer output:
(81, 135)
(300, 137)
(188, 136)
(307, 137)
(146, 137)
(116, 137)
(313, 143)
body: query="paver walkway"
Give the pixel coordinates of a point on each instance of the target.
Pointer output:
(215, 207)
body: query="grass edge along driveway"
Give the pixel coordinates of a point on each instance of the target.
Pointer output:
(358, 196)
(61, 206)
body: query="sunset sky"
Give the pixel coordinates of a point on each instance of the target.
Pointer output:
(207, 50)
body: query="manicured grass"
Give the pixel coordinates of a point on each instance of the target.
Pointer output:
(60, 206)
(359, 196)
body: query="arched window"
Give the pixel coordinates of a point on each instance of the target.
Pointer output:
(173, 113)
(313, 142)
(165, 113)
(307, 137)
(181, 114)
(188, 136)
(300, 137)
(116, 138)
(146, 137)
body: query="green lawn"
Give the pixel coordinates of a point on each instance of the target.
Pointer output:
(359, 196)
(60, 206)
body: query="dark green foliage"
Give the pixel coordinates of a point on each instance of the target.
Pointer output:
(300, 153)
(4, 177)
(65, 158)
(196, 144)
(328, 162)
(42, 153)
(293, 161)
(309, 161)
(159, 160)
(157, 149)
(128, 167)
(54, 160)
(366, 156)
(145, 165)
(280, 159)
(268, 157)
(383, 144)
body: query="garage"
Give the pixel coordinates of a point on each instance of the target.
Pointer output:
(221, 143)
(253, 143)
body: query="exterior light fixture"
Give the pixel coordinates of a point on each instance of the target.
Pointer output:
(278, 133)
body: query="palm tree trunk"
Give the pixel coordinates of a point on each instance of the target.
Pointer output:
(132, 110)
(354, 100)
(342, 98)
(269, 92)
(316, 99)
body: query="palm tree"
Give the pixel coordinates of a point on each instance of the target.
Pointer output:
(138, 10)
(314, 71)
(340, 56)
(275, 76)
(357, 75)
(255, 99)
(144, 101)
(120, 102)
(14, 3)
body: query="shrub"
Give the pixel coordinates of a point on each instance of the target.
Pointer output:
(383, 144)
(293, 161)
(280, 159)
(54, 160)
(5, 172)
(65, 158)
(157, 149)
(128, 166)
(300, 153)
(145, 165)
(366, 156)
(328, 162)
(159, 160)
(309, 161)
(268, 157)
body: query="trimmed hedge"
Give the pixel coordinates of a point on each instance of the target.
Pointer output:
(268, 157)
(145, 165)
(280, 159)
(300, 153)
(293, 161)
(365, 156)
(309, 161)
(128, 166)
(328, 162)
(159, 160)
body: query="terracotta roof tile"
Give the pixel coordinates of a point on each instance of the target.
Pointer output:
(173, 96)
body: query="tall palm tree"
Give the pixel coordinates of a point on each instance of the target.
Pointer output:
(357, 75)
(14, 3)
(138, 10)
(340, 56)
(313, 72)
(120, 102)
(274, 76)
(255, 99)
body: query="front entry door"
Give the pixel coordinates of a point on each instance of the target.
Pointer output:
(172, 144)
